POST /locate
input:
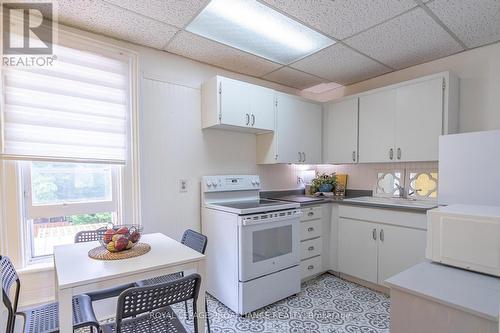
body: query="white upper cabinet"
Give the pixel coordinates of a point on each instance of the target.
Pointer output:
(402, 123)
(297, 138)
(340, 132)
(419, 120)
(376, 126)
(236, 105)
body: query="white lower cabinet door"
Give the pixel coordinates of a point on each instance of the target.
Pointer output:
(358, 249)
(399, 248)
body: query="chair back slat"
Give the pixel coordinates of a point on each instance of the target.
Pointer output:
(139, 300)
(9, 276)
(194, 240)
(86, 236)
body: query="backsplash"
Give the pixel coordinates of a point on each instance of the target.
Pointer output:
(360, 176)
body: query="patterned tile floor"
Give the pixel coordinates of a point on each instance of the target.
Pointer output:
(325, 304)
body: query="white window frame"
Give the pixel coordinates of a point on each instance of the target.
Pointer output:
(30, 211)
(12, 227)
(70, 208)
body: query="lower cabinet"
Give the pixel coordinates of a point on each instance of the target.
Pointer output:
(311, 241)
(358, 249)
(374, 252)
(399, 249)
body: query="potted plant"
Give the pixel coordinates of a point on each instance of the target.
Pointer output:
(324, 183)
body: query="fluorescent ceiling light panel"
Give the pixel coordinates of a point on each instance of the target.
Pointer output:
(323, 87)
(255, 28)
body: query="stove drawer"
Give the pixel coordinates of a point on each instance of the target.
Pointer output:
(310, 229)
(310, 248)
(310, 267)
(311, 213)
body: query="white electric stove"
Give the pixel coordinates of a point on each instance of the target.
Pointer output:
(253, 244)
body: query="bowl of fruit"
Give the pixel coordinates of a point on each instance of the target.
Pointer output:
(118, 238)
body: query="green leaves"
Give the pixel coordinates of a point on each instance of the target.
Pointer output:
(322, 179)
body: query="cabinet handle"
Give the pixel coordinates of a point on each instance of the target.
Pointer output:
(310, 248)
(253, 119)
(310, 229)
(391, 153)
(300, 156)
(310, 267)
(304, 157)
(248, 119)
(354, 156)
(310, 214)
(382, 235)
(399, 153)
(374, 234)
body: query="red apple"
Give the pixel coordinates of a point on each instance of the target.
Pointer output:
(134, 237)
(122, 231)
(108, 235)
(121, 244)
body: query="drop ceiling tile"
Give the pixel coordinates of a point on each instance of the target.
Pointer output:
(103, 18)
(340, 64)
(406, 40)
(198, 48)
(293, 78)
(474, 22)
(174, 12)
(342, 18)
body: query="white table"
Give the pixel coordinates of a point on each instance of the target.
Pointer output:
(77, 273)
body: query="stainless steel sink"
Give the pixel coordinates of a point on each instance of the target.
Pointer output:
(396, 202)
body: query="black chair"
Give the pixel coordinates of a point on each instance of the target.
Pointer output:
(147, 309)
(86, 236)
(90, 236)
(43, 318)
(197, 242)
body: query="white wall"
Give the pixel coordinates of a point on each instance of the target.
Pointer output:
(479, 73)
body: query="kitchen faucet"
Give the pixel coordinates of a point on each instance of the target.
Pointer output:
(401, 190)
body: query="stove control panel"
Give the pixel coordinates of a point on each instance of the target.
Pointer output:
(230, 183)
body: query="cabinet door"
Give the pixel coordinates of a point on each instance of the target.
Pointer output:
(419, 120)
(262, 109)
(341, 132)
(234, 103)
(399, 249)
(288, 124)
(310, 132)
(376, 127)
(298, 131)
(358, 249)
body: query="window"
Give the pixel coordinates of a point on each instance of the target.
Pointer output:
(68, 146)
(417, 184)
(422, 185)
(61, 199)
(388, 183)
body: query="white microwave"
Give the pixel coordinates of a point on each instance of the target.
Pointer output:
(465, 236)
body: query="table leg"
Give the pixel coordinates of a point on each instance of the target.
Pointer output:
(200, 304)
(65, 311)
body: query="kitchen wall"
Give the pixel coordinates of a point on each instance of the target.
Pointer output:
(479, 73)
(173, 146)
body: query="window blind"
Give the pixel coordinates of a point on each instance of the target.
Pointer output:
(75, 110)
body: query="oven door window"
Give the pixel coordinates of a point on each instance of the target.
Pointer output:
(271, 243)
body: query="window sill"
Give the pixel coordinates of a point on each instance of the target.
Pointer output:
(37, 268)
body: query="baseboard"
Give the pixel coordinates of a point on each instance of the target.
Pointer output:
(364, 283)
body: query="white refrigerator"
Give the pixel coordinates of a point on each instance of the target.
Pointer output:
(469, 168)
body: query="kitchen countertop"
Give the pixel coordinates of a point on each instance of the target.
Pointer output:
(475, 293)
(340, 200)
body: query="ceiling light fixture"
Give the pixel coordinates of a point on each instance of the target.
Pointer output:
(253, 27)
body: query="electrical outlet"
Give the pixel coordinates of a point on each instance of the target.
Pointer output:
(183, 185)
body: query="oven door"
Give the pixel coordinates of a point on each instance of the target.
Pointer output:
(268, 245)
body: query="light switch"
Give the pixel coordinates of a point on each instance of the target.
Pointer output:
(183, 184)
